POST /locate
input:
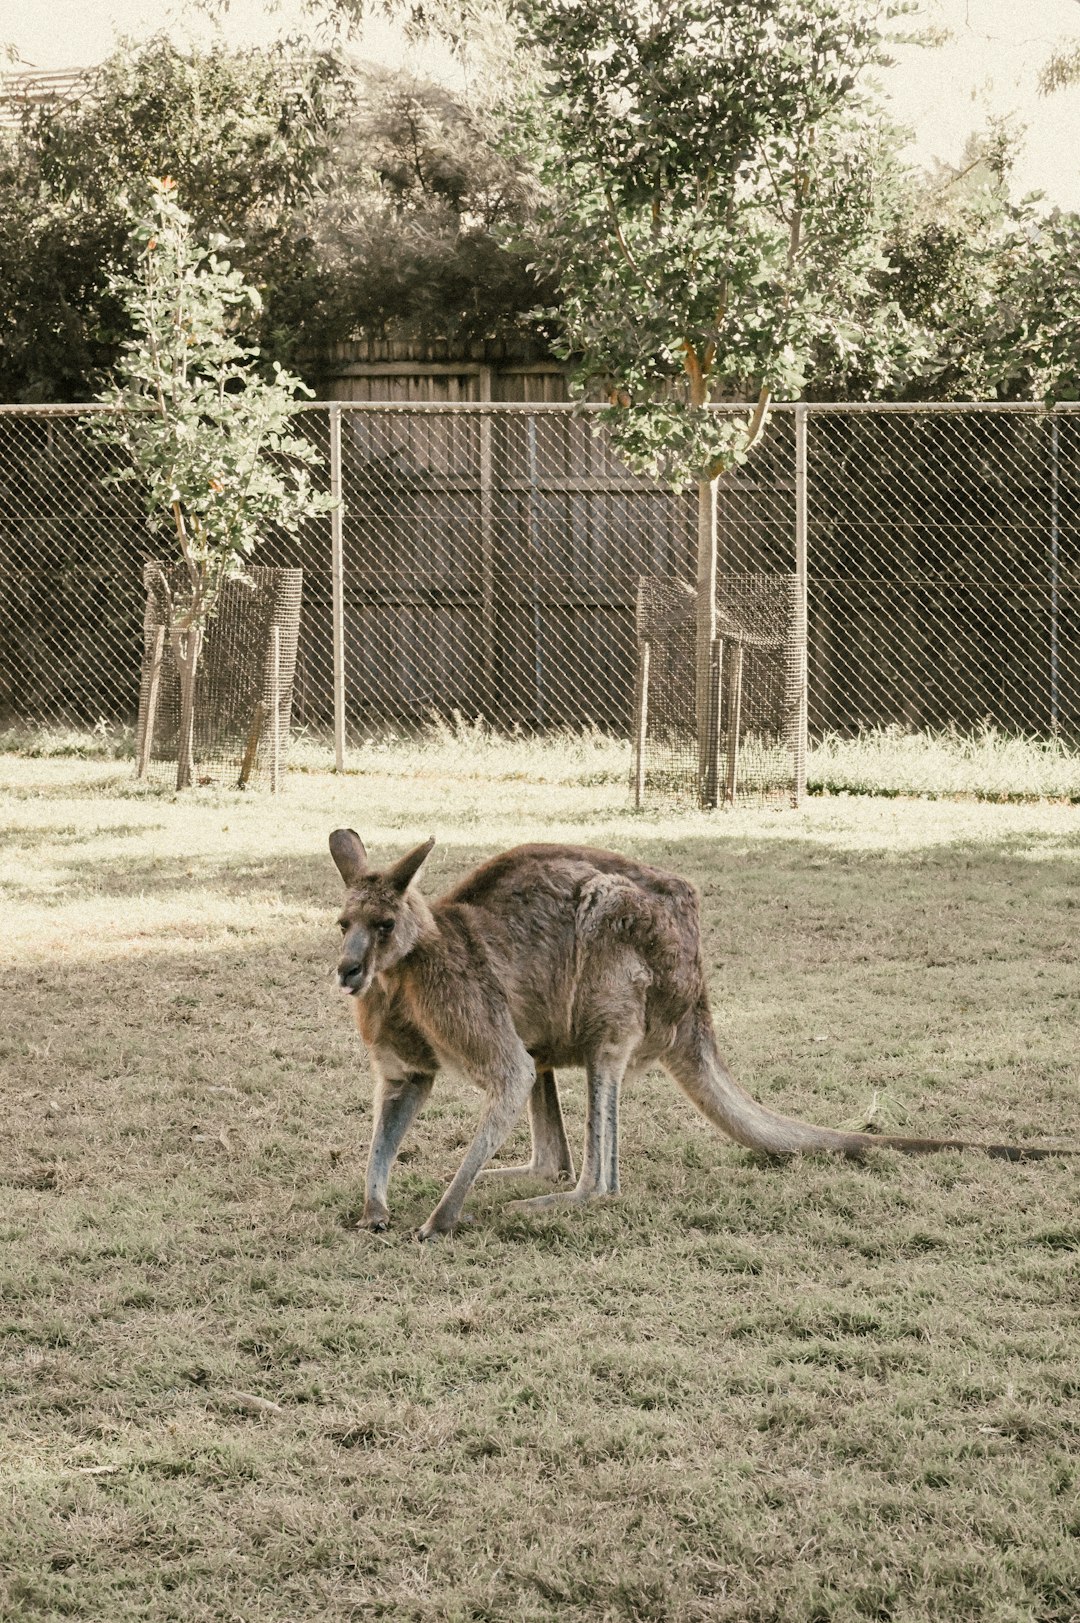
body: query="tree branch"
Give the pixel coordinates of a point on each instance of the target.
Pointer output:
(695, 372)
(757, 420)
(619, 238)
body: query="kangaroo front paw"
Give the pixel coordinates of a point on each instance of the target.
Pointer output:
(375, 1219)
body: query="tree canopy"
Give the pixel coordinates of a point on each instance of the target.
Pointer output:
(626, 181)
(418, 229)
(361, 203)
(244, 134)
(991, 280)
(716, 211)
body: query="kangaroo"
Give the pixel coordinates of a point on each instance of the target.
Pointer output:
(546, 956)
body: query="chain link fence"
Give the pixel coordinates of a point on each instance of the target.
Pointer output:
(72, 547)
(489, 560)
(945, 570)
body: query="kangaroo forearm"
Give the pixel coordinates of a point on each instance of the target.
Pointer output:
(396, 1107)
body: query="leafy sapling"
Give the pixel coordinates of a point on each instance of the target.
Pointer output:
(209, 437)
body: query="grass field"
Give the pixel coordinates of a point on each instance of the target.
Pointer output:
(747, 1392)
(985, 764)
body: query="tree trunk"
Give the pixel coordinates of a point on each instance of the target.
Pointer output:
(707, 697)
(186, 647)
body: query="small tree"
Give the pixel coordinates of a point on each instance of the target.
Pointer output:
(208, 438)
(715, 216)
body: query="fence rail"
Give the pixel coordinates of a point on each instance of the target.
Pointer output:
(487, 561)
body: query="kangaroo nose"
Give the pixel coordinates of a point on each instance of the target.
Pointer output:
(350, 973)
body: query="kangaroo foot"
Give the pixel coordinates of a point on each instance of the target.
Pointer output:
(432, 1230)
(375, 1219)
(437, 1226)
(531, 1169)
(571, 1197)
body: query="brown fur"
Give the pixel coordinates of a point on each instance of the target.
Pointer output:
(547, 955)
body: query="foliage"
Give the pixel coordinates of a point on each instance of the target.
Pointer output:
(245, 135)
(208, 439)
(366, 204)
(714, 207)
(991, 282)
(375, 205)
(1061, 68)
(409, 231)
(1033, 340)
(58, 324)
(245, 132)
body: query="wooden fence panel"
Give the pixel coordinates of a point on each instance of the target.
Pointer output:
(528, 527)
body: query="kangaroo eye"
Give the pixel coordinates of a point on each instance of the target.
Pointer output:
(385, 927)
(343, 925)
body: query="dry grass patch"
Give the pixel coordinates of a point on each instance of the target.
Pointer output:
(745, 1392)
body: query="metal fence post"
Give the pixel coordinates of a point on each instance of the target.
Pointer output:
(801, 604)
(488, 696)
(275, 706)
(641, 725)
(337, 547)
(707, 709)
(533, 525)
(1055, 578)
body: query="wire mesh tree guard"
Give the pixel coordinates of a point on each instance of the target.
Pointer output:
(244, 685)
(754, 709)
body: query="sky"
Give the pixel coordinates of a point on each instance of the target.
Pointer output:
(989, 65)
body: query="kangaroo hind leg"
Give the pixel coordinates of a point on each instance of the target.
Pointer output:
(610, 1013)
(604, 1073)
(551, 1154)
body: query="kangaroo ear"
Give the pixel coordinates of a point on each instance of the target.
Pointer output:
(406, 868)
(347, 850)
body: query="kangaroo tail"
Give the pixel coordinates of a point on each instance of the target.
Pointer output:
(696, 1064)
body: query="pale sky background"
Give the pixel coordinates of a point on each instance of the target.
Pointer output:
(990, 65)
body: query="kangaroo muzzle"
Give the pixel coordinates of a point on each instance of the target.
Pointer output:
(354, 978)
(356, 970)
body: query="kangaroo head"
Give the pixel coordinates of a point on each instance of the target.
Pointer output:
(382, 919)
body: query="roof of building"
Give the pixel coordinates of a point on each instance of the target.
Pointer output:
(23, 88)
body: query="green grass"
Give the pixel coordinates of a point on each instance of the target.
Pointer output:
(108, 741)
(986, 763)
(742, 1392)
